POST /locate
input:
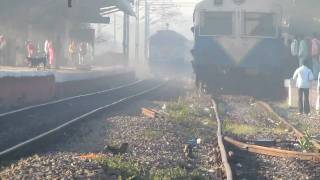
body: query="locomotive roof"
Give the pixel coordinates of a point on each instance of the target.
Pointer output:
(165, 36)
(248, 5)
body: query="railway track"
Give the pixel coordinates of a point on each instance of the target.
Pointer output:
(296, 130)
(223, 152)
(25, 127)
(251, 161)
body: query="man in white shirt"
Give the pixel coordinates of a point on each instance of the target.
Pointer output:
(46, 48)
(303, 76)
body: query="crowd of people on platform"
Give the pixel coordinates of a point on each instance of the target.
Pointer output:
(50, 51)
(306, 52)
(79, 53)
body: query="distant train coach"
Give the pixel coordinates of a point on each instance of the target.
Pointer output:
(169, 52)
(239, 43)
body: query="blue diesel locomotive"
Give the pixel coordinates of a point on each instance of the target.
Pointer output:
(238, 45)
(169, 53)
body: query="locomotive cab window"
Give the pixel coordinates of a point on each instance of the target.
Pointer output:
(259, 24)
(216, 23)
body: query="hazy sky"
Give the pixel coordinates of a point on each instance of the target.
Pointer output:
(180, 23)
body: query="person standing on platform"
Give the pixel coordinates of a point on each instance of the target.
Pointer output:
(31, 49)
(51, 54)
(295, 50)
(303, 52)
(46, 49)
(58, 52)
(73, 53)
(315, 44)
(304, 77)
(82, 52)
(90, 52)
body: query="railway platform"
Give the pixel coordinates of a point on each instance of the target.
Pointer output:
(292, 93)
(66, 74)
(62, 74)
(24, 86)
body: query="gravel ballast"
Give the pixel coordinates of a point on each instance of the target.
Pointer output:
(54, 166)
(253, 123)
(157, 145)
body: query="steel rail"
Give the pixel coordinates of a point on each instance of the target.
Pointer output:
(223, 152)
(69, 98)
(273, 151)
(79, 118)
(261, 149)
(297, 132)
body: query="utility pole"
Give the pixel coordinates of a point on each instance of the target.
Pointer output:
(125, 38)
(128, 35)
(137, 33)
(114, 27)
(146, 29)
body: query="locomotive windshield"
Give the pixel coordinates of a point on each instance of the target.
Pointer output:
(216, 23)
(259, 24)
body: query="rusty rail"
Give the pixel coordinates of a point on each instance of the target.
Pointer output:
(149, 112)
(223, 152)
(273, 151)
(298, 133)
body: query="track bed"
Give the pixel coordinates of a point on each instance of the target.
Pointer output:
(245, 120)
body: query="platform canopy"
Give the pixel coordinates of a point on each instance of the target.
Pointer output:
(117, 5)
(97, 11)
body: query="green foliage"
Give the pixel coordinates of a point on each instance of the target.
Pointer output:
(239, 129)
(126, 169)
(281, 128)
(169, 173)
(176, 173)
(121, 167)
(196, 175)
(185, 116)
(180, 111)
(253, 113)
(209, 122)
(305, 141)
(221, 108)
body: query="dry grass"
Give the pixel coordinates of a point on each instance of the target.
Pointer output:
(240, 129)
